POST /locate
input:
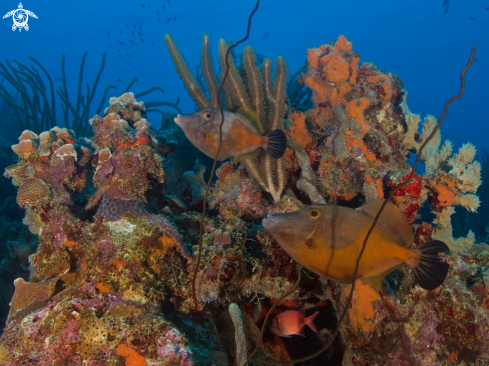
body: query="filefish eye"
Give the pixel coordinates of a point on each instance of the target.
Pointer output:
(208, 115)
(314, 213)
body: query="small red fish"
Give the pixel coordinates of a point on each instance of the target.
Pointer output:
(292, 322)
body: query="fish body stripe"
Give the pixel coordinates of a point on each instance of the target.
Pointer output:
(338, 237)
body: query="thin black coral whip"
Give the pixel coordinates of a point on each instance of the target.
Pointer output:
(201, 234)
(406, 182)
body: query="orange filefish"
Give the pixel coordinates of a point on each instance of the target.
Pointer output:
(292, 322)
(239, 135)
(327, 240)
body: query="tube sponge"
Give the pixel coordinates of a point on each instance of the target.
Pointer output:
(240, 337)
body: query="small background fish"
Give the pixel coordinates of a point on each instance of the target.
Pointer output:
(292, 322)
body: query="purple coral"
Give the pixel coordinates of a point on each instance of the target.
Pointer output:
(172, 346)
(112, 209)
(72, 330)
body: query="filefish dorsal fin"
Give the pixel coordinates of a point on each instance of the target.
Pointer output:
(252, 117)
(393, 218)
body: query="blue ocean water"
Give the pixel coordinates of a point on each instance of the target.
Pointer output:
(416, 39)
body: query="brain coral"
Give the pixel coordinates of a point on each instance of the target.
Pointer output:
(32, 192)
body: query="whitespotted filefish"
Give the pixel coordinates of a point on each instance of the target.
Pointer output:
(239, 135)
(327, 240)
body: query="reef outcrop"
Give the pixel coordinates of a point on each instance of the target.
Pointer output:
(93, 294)
(110, 283)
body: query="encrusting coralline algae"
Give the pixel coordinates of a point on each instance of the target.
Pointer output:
(110, 282)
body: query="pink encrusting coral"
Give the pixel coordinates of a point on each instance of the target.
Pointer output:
(172, 347)
(128, 162)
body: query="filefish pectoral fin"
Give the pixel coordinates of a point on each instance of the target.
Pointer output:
(206, 126)
(208, 136)
(312, 236)
(311, 243)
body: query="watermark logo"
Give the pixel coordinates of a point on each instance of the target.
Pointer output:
(20, 17)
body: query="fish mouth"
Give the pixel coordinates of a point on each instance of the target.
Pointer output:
(280, 227)
(178, 120)
(269, 222)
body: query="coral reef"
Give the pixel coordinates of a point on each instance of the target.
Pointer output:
(16, 244)
(110, 279)
(345, 146)
(412, 326)
(194, 187)
(93, 294)
(351, 148)
(480, 221)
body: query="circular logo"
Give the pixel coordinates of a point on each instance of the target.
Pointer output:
(20, 17)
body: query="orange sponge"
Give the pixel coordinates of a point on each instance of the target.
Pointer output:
(132, 357)
(355, 110)
(299, 131)
(362, 312)
(336, 68)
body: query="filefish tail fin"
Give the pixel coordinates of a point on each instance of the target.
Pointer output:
(431, 270)
(277, 143)
(309, 321)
